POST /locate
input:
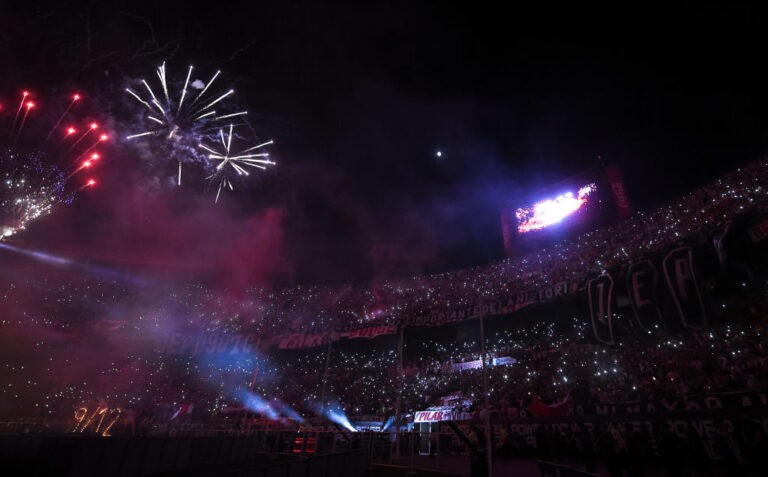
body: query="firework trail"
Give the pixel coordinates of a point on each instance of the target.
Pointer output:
(178, 116)
(32, 183)
(75, 99)
(236, 163)
(91, 128)
(24, 95)
(27, 108)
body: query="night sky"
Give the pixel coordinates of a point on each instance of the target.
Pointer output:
(360, 97)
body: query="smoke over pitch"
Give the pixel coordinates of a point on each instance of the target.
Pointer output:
(183, 236)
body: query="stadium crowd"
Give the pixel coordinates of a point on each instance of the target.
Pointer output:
(96, 338)
(697, 217)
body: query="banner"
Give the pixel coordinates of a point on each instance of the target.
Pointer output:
(759, 232)
(735, 401)
(491, 308)
(681, 280)
(507, 231)
(558, 409)
(707, 419)
(613, 174)
(475, 364)
(503, 360)
(301, 340)
(600, 294)
(449, 399)
(435, 414)
(371, 331)
(642, 282)
(181, 343)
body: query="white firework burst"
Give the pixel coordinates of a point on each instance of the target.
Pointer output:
(229, 163)
(180, 119)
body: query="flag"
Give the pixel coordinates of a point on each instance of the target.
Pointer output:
(642, 282)
(679, 271)
(600, 295)
(561, 408)
(185, 408)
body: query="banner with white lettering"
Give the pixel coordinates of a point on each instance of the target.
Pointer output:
(704, 421)
(371, 331)
(740, 401)
(503, 360)
(600, 296)
(302, 340)
(478, 363)
(642, 280)
(474, 364)
(202, 343)
(501, 306)
(679, 271)
(435, 414)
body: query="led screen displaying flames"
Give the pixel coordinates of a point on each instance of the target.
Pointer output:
(553, 210)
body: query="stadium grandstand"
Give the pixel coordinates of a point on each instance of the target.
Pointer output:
(639, 345)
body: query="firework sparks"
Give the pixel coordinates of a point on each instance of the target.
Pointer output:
(179, 121)
(28, 191)
(31, 181)
(229, 162)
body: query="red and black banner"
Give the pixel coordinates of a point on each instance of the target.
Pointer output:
(508, 231)
(600, 296)
(680, 275)
(642, 280)
(371, 331)
(620, 195)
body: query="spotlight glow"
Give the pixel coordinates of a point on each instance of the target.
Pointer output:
(551, 211)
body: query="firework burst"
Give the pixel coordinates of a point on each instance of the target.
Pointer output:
(29, 190)
(33, 177)
(177, 116)
(230, 163)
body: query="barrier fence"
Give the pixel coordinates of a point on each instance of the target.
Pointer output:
(713, 436)
(258, 453)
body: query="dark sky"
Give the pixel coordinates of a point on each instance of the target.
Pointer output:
(360, 96)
